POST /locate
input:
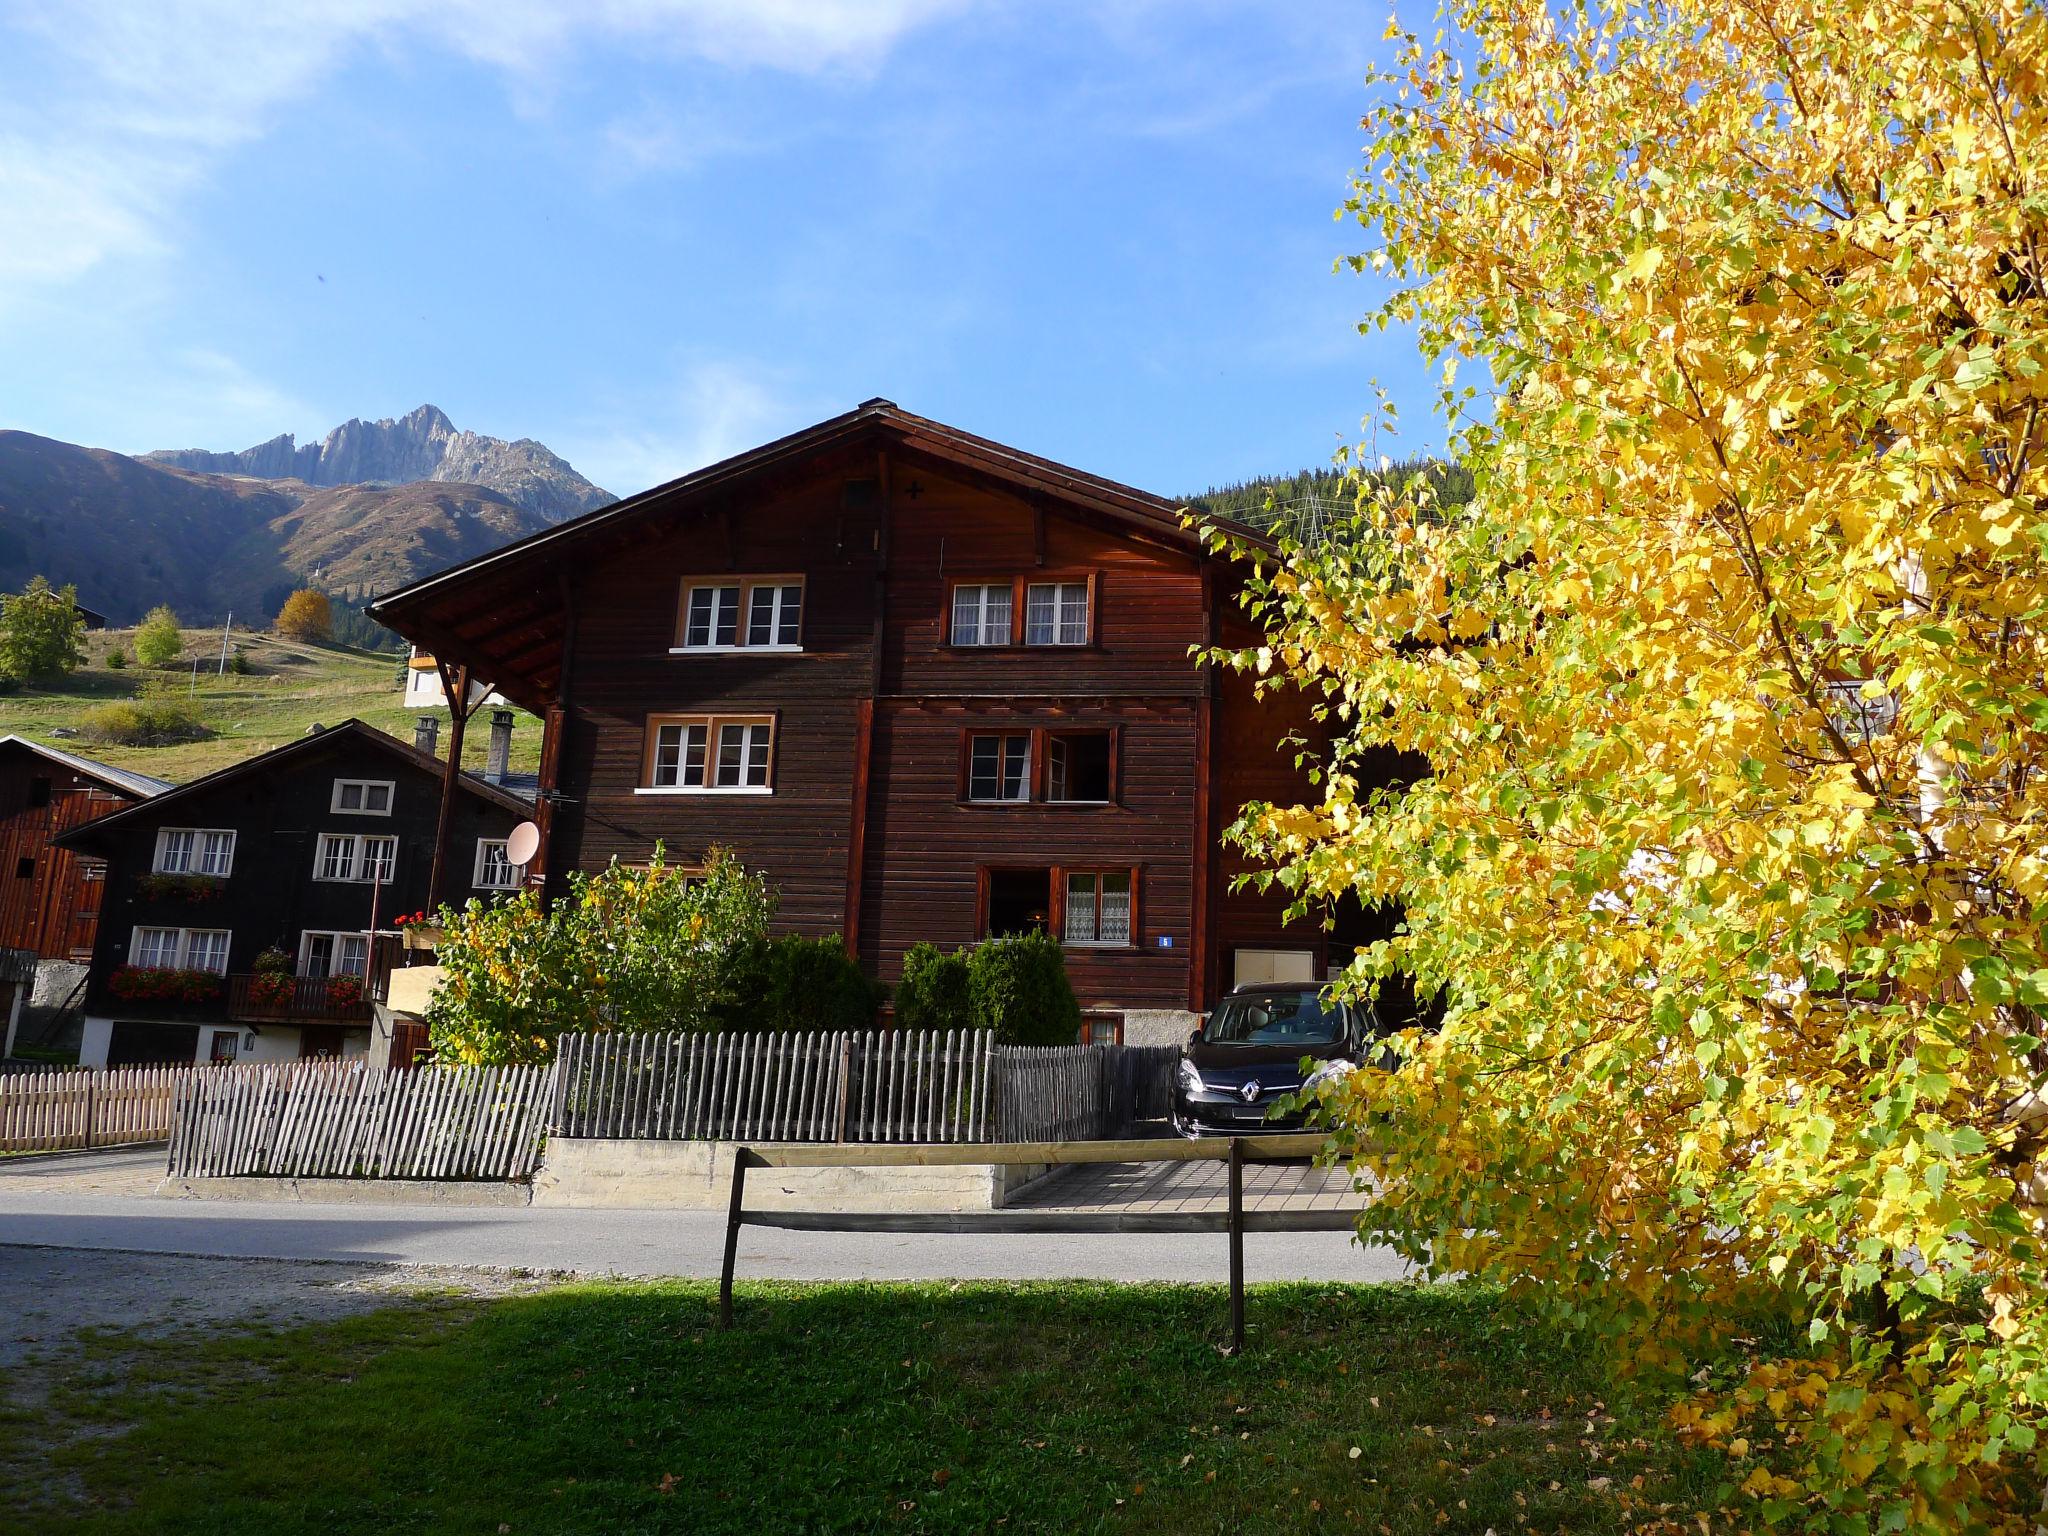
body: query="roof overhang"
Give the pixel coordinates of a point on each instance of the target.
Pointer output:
(506, 614)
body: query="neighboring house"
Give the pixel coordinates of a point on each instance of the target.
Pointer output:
(49, 897)
(932, 687)
(423, 689)
(308, 850)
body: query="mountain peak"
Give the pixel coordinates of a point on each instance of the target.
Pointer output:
(421, 445)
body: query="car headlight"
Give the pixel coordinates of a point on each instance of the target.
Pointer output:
(1190, 1079)
(1328, 1072)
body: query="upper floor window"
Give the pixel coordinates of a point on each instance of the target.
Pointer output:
(759, 613)
(1059, 767)
(171, 949)
(981, 614)
(999, 767)
(708, 754)
(362, 797)
(1056, 613)
(1024, 610)
(324, 952)
(195, 851)
(495, 870)
(347, 856)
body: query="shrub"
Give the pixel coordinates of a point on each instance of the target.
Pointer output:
(795, 983)
(626, 949)
(1018, 987)
(117, 658)
(158, 640)
(238, 663)
(144, 723)
(933, 993)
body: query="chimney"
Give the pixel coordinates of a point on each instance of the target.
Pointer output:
(499, 759)
(426, 732)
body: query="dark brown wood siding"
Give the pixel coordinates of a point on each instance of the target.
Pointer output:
(927, 849)
(1148, 599)
(49, 897)
(622, 672)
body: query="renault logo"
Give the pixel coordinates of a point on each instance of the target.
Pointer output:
(1249, 1092)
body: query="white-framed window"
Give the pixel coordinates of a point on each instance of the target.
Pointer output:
(337, 859)
(356, 856)
(775, 613)
(706, 754)
(156, 949)
(206, 949)
(981, 613)
(1056, 613)
(324, 952)
(170, 949)
(195, 851)
(742, 756)
(711, 616)
(1098, 907)
(756, 613)
(495, 870)
(999, 766)
(362, 797)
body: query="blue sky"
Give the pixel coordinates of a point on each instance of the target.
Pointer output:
(654, 232)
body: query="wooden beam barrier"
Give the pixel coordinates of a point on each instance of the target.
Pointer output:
(1276, 1147)
(1234, 1220)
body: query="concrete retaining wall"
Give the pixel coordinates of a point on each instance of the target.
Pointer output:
(348, 1191)
(697, 1175)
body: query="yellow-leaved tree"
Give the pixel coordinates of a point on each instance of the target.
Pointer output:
(1732, 859)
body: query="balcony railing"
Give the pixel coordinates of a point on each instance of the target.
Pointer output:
(271, 999)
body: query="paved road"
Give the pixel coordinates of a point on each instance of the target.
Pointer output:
(100, 1202)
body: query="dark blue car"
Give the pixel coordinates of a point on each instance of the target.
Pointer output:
(1248, 1055)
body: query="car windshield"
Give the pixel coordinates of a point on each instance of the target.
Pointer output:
(1282, 1018)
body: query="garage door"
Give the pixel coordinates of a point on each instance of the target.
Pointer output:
(136, 1044)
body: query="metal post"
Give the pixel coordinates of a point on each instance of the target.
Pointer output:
(1237, 1245)
(741, 1156)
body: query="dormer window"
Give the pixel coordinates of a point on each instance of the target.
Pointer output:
(763, 613)
(362, 797)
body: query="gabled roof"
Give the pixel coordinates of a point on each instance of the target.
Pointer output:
(502, 611)
(78, 838)
(141, 785)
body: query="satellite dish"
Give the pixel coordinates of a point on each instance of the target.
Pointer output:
(523, 844)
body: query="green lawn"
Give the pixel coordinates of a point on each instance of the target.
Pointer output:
(618, 1408)
(291, 686)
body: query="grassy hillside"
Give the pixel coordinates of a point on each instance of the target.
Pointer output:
(290, 687)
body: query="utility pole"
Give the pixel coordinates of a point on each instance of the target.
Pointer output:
(224, 629)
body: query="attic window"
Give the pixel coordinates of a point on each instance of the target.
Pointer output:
(756, 613)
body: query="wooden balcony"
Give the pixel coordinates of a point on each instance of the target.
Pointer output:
(291, 1000)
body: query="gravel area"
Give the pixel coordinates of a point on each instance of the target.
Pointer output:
(48, 1295)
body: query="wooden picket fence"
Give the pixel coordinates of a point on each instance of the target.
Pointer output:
(55, 1108)
(345, 1120)
(888, 1085)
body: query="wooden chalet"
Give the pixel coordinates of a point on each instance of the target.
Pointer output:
(308, 852)
(933, 687)
(49, 897)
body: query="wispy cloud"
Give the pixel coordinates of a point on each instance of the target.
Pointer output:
(112, 110)
(712, 409)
